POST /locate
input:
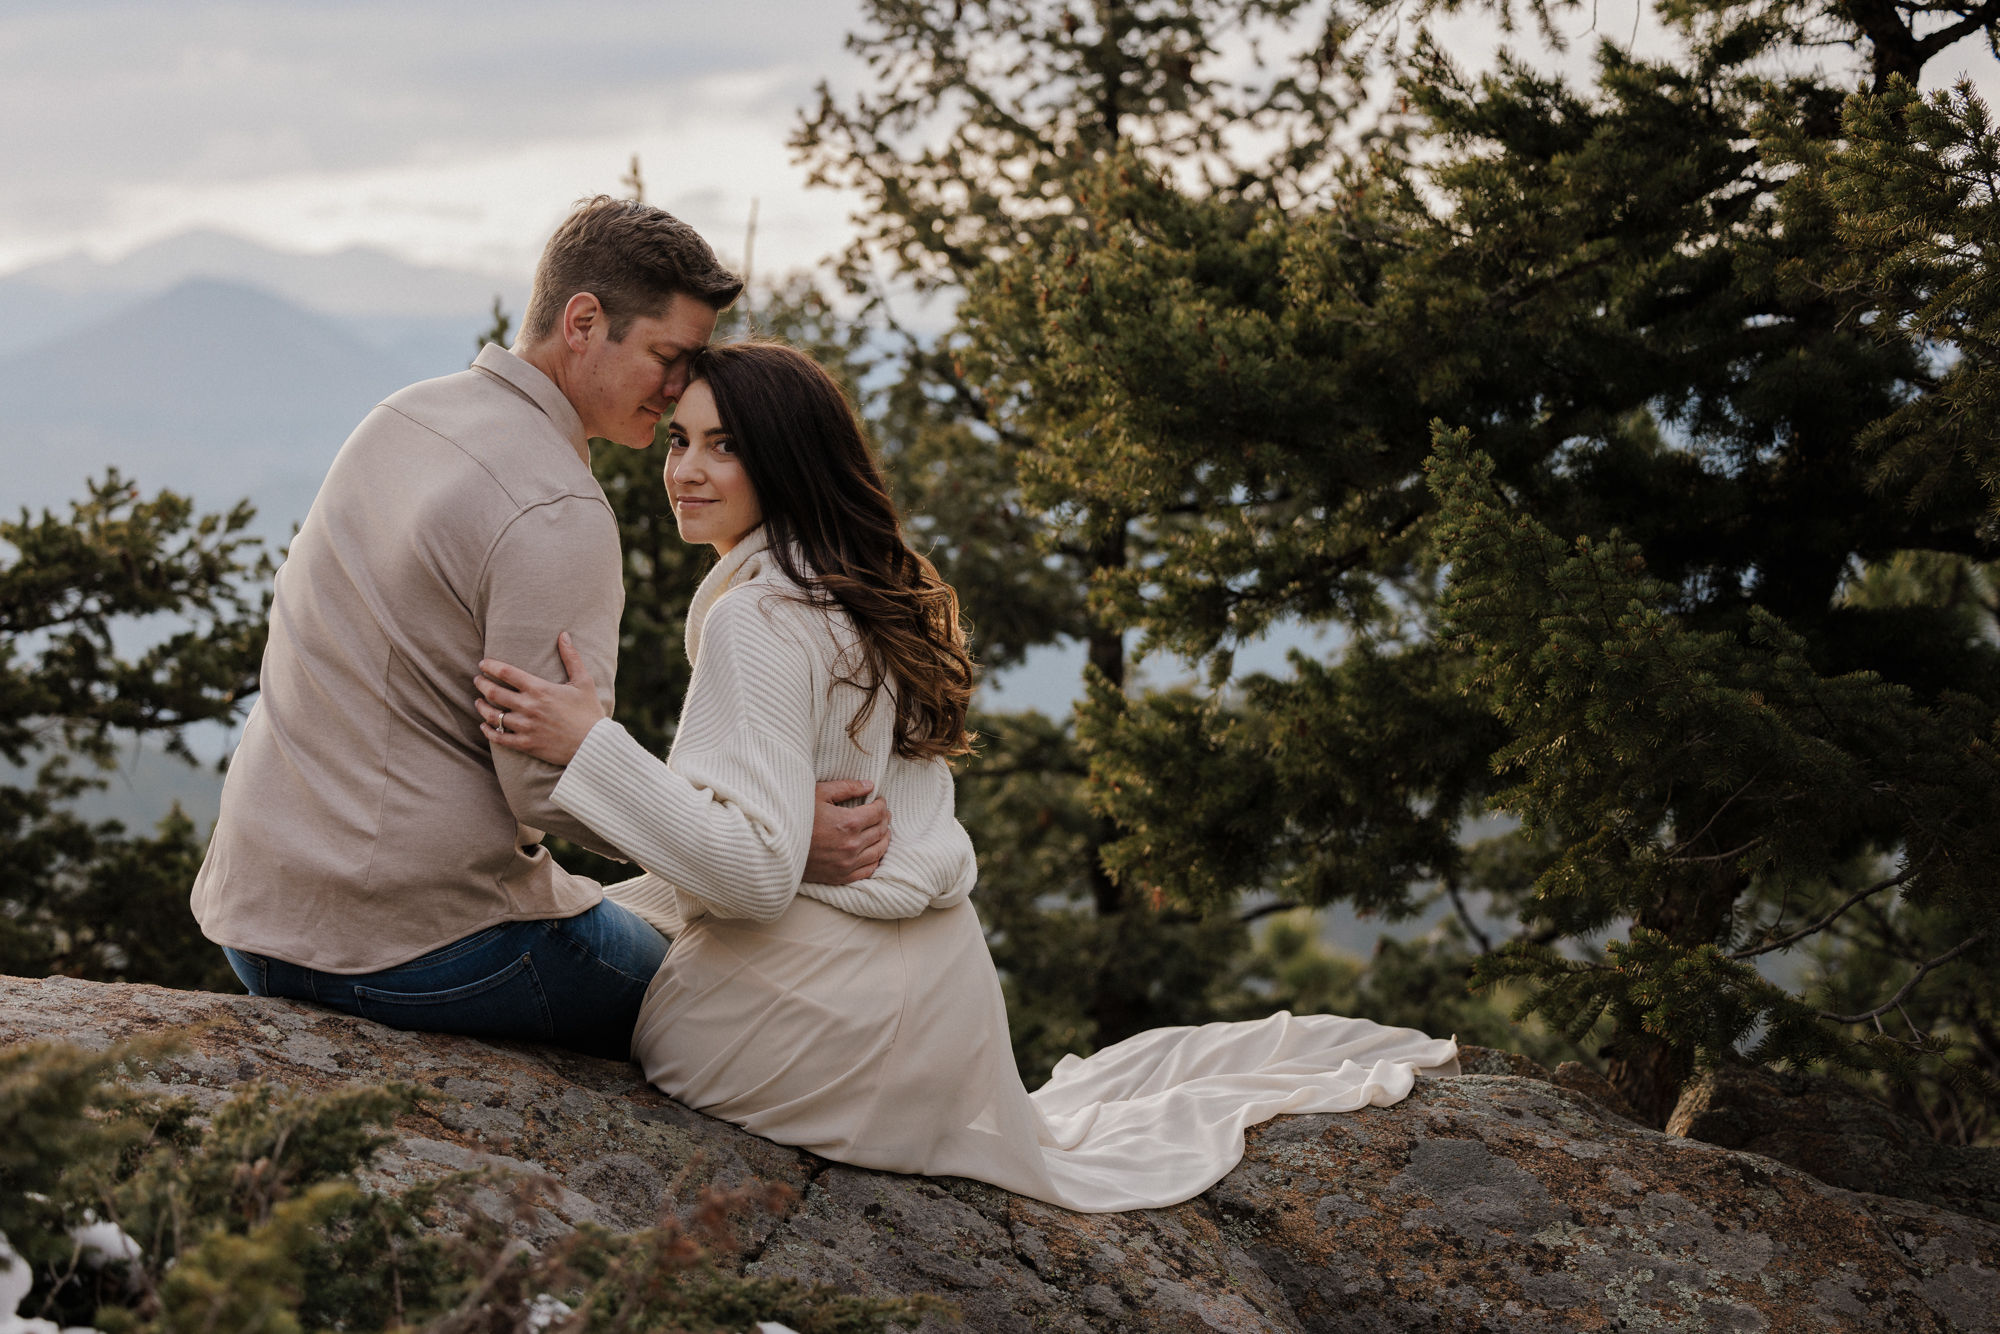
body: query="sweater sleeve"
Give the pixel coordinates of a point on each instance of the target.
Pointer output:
(930, 861)
(730, 821)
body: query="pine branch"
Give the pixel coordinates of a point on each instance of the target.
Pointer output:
(1896, 1001)
(1730, 855)
(1830, 918)
(1465, 915)
(1729, 801)
(1249, 915)
(1984, 16)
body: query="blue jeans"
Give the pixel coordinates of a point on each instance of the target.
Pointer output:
(574, 981)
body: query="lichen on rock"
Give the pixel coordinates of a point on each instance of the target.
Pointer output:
(1495, 1200)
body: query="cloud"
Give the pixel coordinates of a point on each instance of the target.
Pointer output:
(489, 207)
(456, 132)
(325, 124)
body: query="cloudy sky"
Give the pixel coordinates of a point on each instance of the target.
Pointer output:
(449, 132)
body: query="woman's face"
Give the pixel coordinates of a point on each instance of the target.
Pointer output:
(712, 496)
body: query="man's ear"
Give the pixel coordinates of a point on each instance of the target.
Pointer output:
(580, 316)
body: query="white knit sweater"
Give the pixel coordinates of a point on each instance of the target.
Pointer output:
(723, 825)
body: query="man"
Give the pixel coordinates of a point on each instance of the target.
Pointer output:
(372, 853)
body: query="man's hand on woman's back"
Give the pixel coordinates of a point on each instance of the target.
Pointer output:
(847, 841)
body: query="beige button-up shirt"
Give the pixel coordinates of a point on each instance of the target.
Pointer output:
(364, 819)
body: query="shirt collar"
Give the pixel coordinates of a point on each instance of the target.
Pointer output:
(540, 390)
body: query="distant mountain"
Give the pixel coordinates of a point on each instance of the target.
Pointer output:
(424, 315)
(212, 388)
(357, 281)
(31, 316)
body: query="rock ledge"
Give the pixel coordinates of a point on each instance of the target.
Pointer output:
(1491, 1201)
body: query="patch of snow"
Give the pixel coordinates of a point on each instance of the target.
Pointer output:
(103, 1243)
(16, 1278)
(544, 1313)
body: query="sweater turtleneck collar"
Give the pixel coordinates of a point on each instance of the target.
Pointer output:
(746, 560)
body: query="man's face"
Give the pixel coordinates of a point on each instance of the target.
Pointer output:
(622, 389)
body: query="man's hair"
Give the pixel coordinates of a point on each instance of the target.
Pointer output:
(632, 257)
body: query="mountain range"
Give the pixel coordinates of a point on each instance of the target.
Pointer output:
(216, 366)
(360, 280)
(409, 309)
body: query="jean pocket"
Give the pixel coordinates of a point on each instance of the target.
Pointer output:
(509, 1004)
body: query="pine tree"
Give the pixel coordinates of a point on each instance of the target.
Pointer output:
(1915, 192)
(88, 899)
(500, 331)
(1651, 318)
(1625, 723)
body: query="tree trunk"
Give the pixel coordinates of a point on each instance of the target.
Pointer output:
(1117, 1009)
(1647, 1069)
(1894, 49)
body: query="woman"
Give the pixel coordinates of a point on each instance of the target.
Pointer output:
(865, 1022)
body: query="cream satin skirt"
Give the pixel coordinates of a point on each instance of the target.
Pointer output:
(884, 1044)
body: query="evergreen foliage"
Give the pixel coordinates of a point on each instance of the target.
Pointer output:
(88, 899)
(255, 1222)
(1410, 984)
(1915, 192)
(1723, 337)
(500, 331)
(1625, 725)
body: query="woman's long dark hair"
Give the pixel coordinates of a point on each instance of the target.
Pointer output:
(824, 503)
